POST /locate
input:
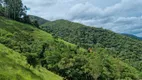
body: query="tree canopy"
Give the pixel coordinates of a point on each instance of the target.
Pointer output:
(123, 47)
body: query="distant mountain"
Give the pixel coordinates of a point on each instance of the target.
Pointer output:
(132, 36)
(39, 19)
(123, 47)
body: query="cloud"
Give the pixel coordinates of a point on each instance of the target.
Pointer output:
(122, 16)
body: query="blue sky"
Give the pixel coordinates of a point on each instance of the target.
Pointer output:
(122, 16)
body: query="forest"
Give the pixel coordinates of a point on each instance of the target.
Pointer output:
(32, 48)
(125, 48)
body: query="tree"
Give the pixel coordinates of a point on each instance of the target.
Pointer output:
(32, 59)
(14, 9)
(26, 19)
(35, 23)
(1, 8)
(1, 1)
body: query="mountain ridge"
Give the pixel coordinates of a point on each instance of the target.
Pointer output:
(132, 36)
(38, 19)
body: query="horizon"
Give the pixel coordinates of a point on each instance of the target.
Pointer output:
(120, 16)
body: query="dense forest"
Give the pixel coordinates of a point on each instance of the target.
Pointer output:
(62, 50)
(122, 47)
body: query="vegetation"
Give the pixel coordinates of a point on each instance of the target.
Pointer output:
(38, 19)
(41, 49)
(122, 47)
(28, 53)
(13, 66)
(133, 36)
(14, 9)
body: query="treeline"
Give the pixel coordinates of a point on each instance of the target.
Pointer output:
(14, 9)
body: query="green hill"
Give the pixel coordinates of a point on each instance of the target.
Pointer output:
(13, 66)
(123, 47)
(28, 53)
(40, 20)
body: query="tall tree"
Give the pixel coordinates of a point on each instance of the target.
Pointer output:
(1, 1)
(1, 8)
(14, 9)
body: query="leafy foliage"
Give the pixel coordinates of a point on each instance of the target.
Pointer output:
(14, 9)
(124, 48)
(68, 60)
(13, 66)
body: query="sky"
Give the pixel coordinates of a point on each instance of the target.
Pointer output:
(121, 16)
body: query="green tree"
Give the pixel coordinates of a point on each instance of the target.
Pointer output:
(14, 9)
(1, 8)
(26, 19)
(36, 24)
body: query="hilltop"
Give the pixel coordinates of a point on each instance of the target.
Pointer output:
(38, 19)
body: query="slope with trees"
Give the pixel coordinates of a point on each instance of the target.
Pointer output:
(27, 53)
(123, 47)
(63, 58)
(13, 66)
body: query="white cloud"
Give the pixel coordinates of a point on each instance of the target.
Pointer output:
(124, 16)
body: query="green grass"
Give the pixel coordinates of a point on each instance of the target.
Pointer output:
(43, 36)
(13, 66)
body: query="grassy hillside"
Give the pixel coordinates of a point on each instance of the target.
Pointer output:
(30, 49)
(123, 47)
(13, 66)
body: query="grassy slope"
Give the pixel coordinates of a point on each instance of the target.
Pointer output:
(14, 31)
(13, 66)
(8, 30)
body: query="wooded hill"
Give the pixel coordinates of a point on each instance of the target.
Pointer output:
(125, 48)
(41, 49)
(29, 53)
